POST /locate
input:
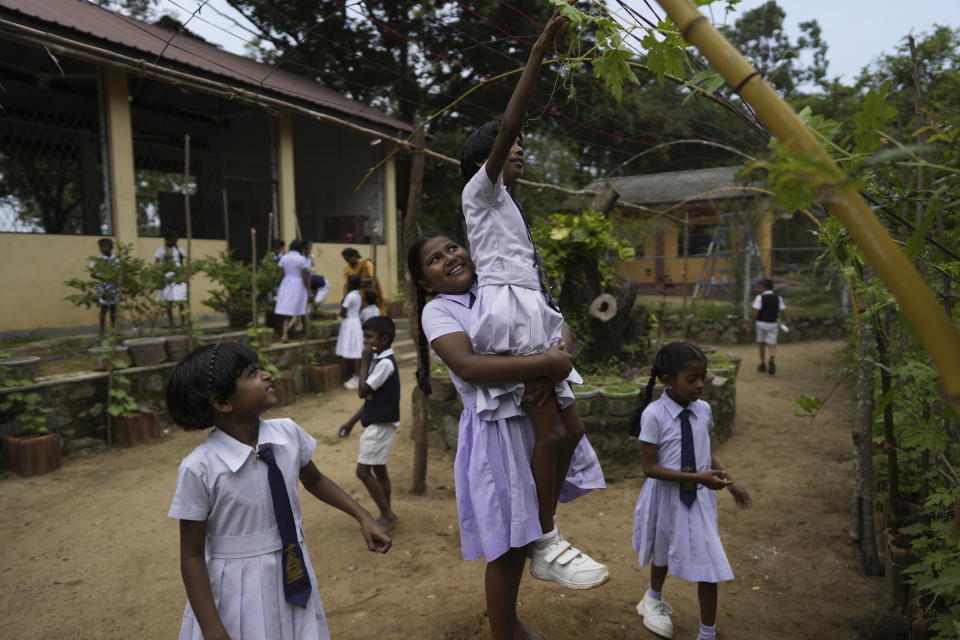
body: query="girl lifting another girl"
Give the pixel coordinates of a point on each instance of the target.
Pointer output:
(514, 313)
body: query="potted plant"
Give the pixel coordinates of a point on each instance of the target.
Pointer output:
(440, 382)
(621, 398)
(146, 351)
(232, 276)
(323, 373)
(589, 401)
(131, 422)
(18, 367)
(31, 449)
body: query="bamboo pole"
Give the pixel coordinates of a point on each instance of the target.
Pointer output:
(189, 222)
(919, 305)
(686, 270)
(253, 278)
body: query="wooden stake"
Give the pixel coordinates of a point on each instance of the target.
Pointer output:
(253, 276)
(686, 270)
(420, 408)
(189, 223)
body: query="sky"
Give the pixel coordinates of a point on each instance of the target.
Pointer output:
(856, 31)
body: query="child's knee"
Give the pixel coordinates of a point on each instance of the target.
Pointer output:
(363, 471)
(551, 435)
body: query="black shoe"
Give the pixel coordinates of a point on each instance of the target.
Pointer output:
(773, 367)
(762, 368)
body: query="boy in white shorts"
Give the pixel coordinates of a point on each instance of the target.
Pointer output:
(768, 309)
(379, 415)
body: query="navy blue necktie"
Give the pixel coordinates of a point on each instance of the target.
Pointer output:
(537, 261)
(296, 582)
(688, 459)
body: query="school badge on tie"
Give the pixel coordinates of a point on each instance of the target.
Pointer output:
(296, 583)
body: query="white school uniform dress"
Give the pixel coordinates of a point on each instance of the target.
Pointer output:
(511, 315)
(223, 483)
(767, 331)
(292, 295)
(685, 540)
(369, 311)
(350, 338)
(377, 439)
(175, 291)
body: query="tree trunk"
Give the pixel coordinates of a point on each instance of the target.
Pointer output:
(409, 235)
(863, 527)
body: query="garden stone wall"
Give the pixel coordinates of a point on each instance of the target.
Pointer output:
(79, 400)
(734, 330)
(619, 453)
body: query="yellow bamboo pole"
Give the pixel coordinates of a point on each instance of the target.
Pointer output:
(919, 305)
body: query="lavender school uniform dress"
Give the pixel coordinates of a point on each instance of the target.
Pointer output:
(496, 494)
(292, 295)
(223, 483)
(350, 338)
(685, 540)
(511, 315)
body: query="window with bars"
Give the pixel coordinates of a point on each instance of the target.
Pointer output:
(52, 145)
(230, 180)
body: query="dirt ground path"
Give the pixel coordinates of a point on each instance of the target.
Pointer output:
(88, 552)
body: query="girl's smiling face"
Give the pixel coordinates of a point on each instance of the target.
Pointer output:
(447, 267)
(686, 385)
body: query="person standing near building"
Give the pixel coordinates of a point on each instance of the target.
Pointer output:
(174, 290)
(363, 267)
(105, 270)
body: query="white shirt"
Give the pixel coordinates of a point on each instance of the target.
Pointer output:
(369, 311)
(224, 483)
(351, 302)
(660, 425)
(381, 368)
(499, 243)
(176, 256)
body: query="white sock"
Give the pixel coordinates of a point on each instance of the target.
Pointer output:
(547, 537)
(656, 595)
(707, 633)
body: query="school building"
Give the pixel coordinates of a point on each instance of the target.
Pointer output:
(683, 213)
(95, 108)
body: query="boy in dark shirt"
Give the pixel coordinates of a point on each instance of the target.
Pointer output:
(379, 415)
(768, 309)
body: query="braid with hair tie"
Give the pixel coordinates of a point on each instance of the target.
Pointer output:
(213, 357)
(423, 371)
(634, 429)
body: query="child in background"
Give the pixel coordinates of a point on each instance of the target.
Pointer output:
(379, 414)
(174, 291)
(294, 287)
(675, 522)
(104, 270)
(768, 307)
(350, 338)
(243, 560)
(514, 311)
(371, 310)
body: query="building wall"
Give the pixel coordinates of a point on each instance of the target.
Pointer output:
(34, 266)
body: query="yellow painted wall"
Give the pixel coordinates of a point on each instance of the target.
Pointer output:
(35, 266)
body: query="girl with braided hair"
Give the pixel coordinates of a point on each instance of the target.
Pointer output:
(675, 521)
(244, 563)
(496, 493)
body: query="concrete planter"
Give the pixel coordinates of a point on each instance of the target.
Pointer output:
(140, 428)
(103, 355)
(32, 454)
(619, 403)
(589, 400)
(19, 368)
(323, 377)
(177, 347)
(286, 391)
(146, 351)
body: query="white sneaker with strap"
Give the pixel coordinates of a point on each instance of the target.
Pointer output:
(656, 616)
(557, 560)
